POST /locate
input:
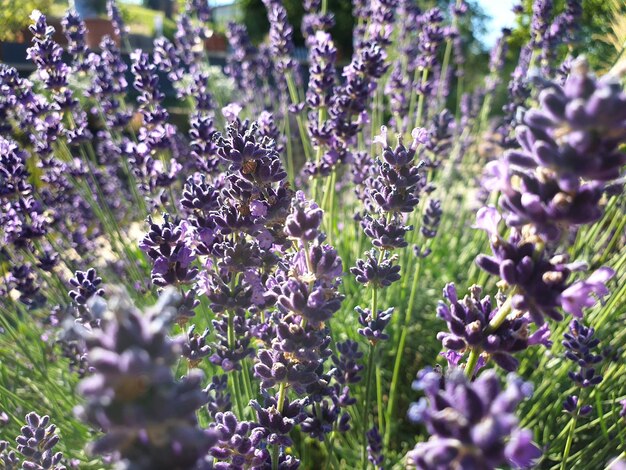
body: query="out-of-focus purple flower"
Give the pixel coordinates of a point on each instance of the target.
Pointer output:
(219, 397)
(382, 19)
(472, 425)
(430, 38)
(8, 457)
(323, 54)
(569, 151)
(347, 367)
(375, 448)
(570, 405)
(431, 218)
(579, 294)
(147, 415)
(281, 34)
(75, 32)
(115, 15)
(46, 53)
(542, 11)
(109, 83)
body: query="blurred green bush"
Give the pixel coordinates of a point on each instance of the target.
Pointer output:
(14, 16)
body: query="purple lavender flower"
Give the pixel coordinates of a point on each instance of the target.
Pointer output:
(373, 328)
(165, 243)
(542, 285)
(569, 152)
(280, 34)
(570, 405)
(86, 285)
(238, 444)
(468, 324)
(321, 74)
(278, 424)
(13, 172)
(226, 353)
(375, 448)
(46, 53)
(147, 415)
(580, 343)
(195, 348)
(375, 272)
(119, 26)
(471, 424)
(75, 32)
(109, 83)
(305, 219)
(348, 106)
(36, 444)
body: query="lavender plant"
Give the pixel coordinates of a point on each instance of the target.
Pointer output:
(196, 279)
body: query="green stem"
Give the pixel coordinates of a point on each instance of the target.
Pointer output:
(331, 447)
(368, 382)
(472, 360)
(282, 389)
(570, 435)
(503, 312)
(293, 94)
(420, 100)
(235, 380)
(290, 168)
(368, 385)
(379, 400)
(399, 355)
(444, 69)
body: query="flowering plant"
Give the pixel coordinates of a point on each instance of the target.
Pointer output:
(252, 279)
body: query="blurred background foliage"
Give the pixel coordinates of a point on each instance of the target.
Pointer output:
(14, 16)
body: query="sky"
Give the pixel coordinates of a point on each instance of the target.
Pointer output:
(501, 13)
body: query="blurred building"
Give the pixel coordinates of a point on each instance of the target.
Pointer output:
(226, 12)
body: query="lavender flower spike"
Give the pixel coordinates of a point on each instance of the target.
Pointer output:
(471, 424)
(148, 417)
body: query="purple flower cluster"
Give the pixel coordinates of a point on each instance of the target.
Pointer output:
(579, 344)
(471, 424)
(35, 444)
(147, 415)
(468, 324)
(569, 151)
(347, 110)
(542, 285)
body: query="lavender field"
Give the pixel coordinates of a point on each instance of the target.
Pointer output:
(381, 256)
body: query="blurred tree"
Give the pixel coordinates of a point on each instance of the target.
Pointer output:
(255, 19)
(15, 16)
(596, 28)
